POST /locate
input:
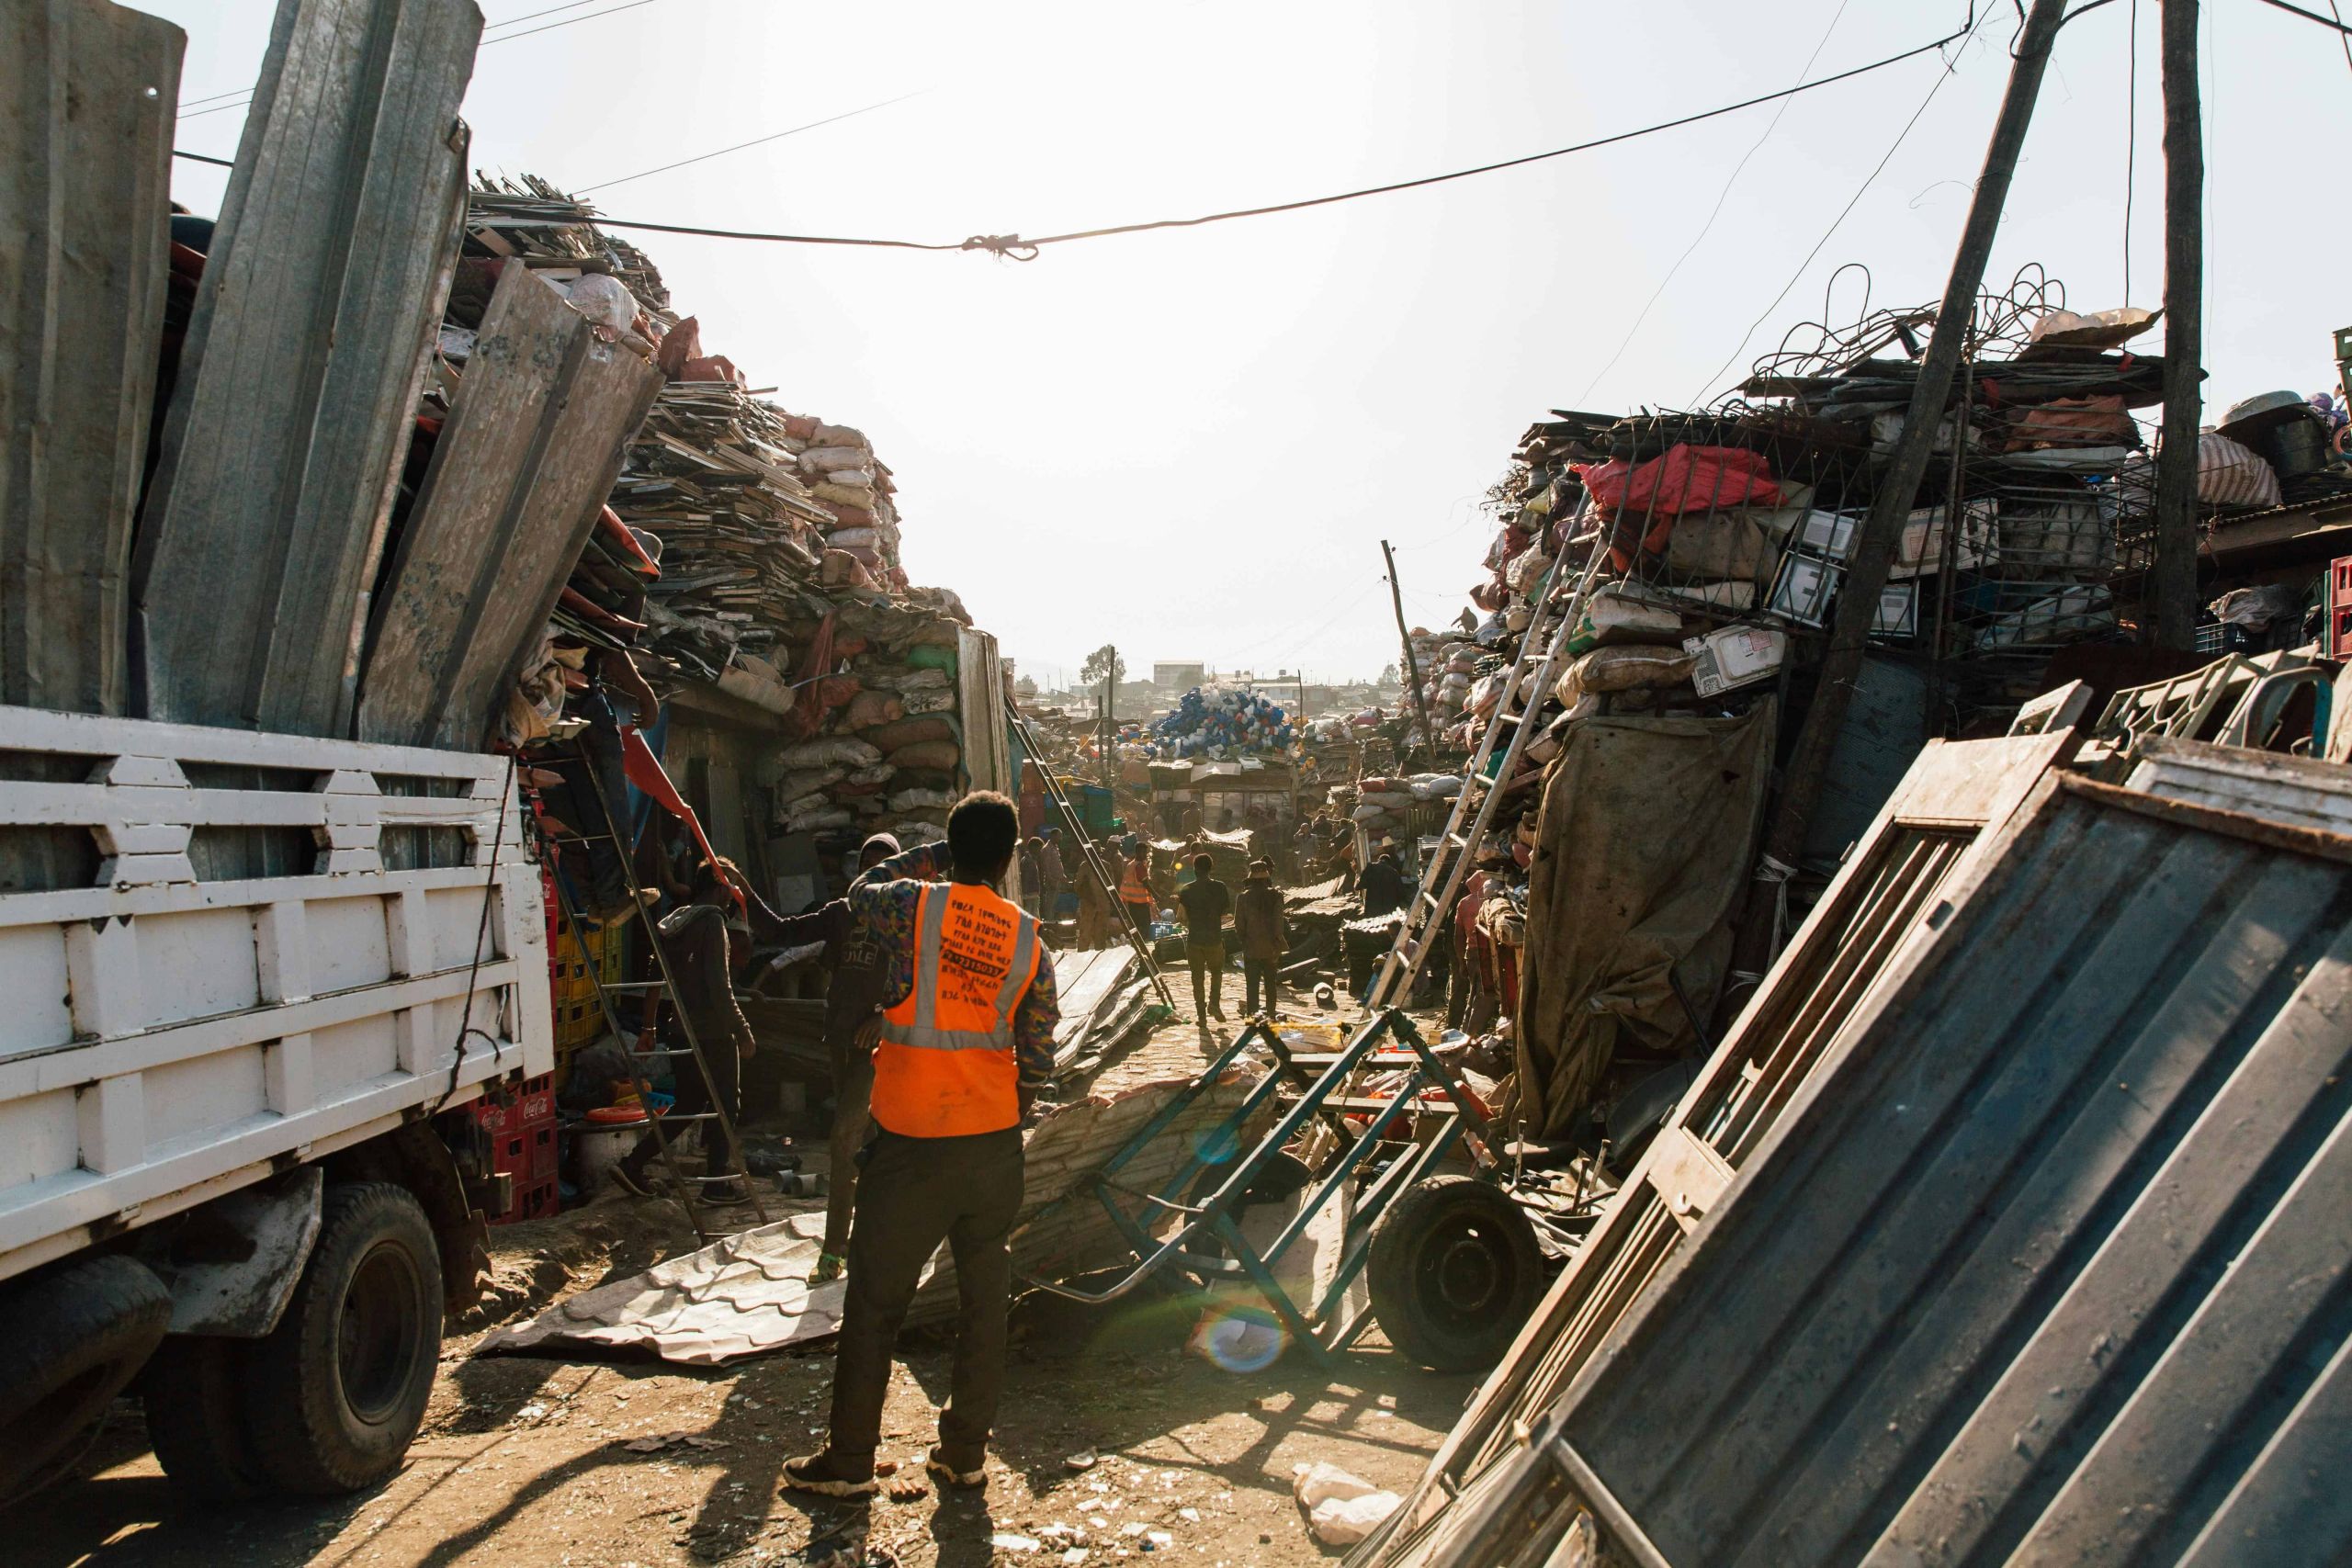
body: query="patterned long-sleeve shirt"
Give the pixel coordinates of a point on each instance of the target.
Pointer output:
(886, 899)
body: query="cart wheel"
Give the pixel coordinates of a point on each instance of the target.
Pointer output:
(1453, 1272)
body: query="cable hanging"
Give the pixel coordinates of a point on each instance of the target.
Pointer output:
(1017, 248)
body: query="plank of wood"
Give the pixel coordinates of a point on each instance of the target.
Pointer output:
(264, 523)
(532, 443)
(86, 127)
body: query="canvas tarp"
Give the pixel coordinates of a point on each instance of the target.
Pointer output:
(1645, 834)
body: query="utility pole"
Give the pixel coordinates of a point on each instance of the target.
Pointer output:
(1110, 718)
(2176, 563)
(1874, 550)
(1412, 667)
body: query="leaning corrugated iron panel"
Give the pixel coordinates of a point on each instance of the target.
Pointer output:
(2049, 1261)
(336, 239)
(85, 241)
(1924, 834)
(532, 443)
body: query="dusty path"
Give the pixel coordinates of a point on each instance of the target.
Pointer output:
(528, 1461)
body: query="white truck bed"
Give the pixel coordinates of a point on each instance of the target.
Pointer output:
(165, 1039)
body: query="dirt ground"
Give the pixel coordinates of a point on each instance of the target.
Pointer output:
(533, 1461)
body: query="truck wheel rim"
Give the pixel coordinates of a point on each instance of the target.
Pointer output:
(1468, 1274)
(376, 1339)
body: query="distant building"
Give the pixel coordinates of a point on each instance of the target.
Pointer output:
(1180, 675)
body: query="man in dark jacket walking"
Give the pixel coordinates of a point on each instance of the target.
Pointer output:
(1206, 902)
(1264, 936)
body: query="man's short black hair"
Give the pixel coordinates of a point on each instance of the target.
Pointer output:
(1204, 864)
(981, 833)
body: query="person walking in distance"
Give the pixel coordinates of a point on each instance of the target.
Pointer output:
(966, 1046)
(1206, 903)
(1264, 936)
(1135, 883)
(858, 967)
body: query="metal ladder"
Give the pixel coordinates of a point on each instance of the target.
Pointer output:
(1094, 866)
(663, 986)
(1558, 606)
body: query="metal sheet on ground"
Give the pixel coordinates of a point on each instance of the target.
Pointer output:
(750, 1294)
(264, 525)
(85, 138)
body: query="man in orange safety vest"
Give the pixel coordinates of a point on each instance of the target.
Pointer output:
(966, 1045)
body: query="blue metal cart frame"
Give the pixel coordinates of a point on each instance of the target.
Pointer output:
(1320, 1324)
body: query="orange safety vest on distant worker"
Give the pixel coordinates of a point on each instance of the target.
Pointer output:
(1133, 888)
(946, 1067)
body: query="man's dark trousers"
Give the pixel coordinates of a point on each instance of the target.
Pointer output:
(914, 1194)
(1257, 973)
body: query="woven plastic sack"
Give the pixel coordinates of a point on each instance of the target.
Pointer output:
(2232, 476)
(868, 709)
(927, 754)
(1684, 479)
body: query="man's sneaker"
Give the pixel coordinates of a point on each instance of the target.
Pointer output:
(946, 1474)
(827, 1476)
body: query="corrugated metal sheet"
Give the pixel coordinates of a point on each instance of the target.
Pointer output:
(336, 239)
(987, 752)
(85, 139)
(2051, 1261)
(534, 441)
(1922, 836)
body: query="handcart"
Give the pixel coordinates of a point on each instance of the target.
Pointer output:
(1453, 1265)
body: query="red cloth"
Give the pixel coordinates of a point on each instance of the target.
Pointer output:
(644, 770)
(1685, 478)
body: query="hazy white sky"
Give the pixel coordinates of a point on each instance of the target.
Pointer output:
(1191, 442)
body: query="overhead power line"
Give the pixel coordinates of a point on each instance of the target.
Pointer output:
(2336, 23)
(755, 141)
(244, 95)
(1020, 249)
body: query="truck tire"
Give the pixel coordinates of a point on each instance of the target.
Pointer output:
(73, 1338)
(194, 1391)
(337, 1391)
(1453, 1272)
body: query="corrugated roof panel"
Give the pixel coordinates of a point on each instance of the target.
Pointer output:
(2037, 1269)
(534, 440)
(85, 244)
(262, 529)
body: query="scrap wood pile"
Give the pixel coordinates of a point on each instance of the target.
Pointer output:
(744, 547)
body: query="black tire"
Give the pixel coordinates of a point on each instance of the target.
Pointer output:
(338, 1389)
(1453, 1272)
(75, 1337)
(194, 1391)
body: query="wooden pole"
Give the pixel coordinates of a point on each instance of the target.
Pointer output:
(2175, 564)
(1412, 666)
(1873, 549)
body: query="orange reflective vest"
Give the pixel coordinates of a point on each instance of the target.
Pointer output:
(1133, 888)
(944, 1067)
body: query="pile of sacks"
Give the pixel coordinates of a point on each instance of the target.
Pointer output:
(838, 465)
(1382, 803)
(1218, 722)
(1450, 665)
(884, 741)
